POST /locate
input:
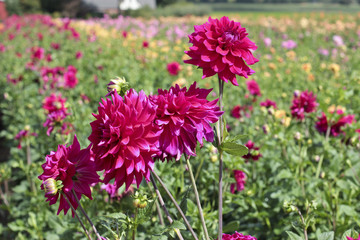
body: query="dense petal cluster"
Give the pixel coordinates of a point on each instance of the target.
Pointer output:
(75, 169)
(237, 236)
(335, 126)
(302, 103)
(222, 47)
(240, 178)
(185, 117)
(254, 153)
(125, 138)
(253, 88)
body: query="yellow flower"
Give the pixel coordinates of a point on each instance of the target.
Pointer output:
(335, 68)
(291, 55)
(306, 67)
(272, 66)
(280, 114)
(334, 108)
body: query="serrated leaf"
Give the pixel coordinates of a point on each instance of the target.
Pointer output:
(115, 215)
(178, 225)
(326, 236)
(234, 149)
(236, 138)
(293, 236)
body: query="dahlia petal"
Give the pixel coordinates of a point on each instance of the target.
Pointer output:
(221, 51)
(129, 166)
(209, 45)
(218, 65)
(119, 162)
(135, 151)
(208, 72)
(209, 56)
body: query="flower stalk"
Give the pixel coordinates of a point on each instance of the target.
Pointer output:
(197, 198)
(220, 138)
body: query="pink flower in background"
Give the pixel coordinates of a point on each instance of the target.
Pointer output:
(55, 46)
(40, 36)
(253, 87)
(267, 42)
(254, 153)
(2, 48)
(48, 57)
(240, 178)
(70, 77)
(124, 34)
(12, 80)
(268, 103)
(54, 119)
(145, 44)
(78, 55)
(114, 192)
(302, 103)
(338, 41)
(173, 68)
(22, 135)
(323, 51)
(54, 103)
(185, 117)
(239, 111)
(75, 169)
(75, 34)
(289, 44)
(222, 47)
(37, 53)
(335, 127)
(124, 138)
(237, 236)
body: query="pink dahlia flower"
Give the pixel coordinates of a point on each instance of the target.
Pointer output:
(335, 127)
(254, 153)
(289, 44)
(185, 117)
(125, 138)
(240, 111)
(54, 103)
(75, 169)
(55, 119)
(237, 236)
(253, 88)
(240, 178)
(349, 238)
(37, 53)
(173, 68)
(78, 55)
(302, 103)
(268, 103)
(70, 77)
(222, 47)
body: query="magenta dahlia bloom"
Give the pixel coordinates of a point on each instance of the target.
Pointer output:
(254, 153)
(23, 134)
(240, 111)
(240, 178)
(302, 103)
(70, 77)
(75, 169)
(173, 68)
(268, 103)
(289, 44)
(335, 127)
(253, 88)
(185, 117)
(54, 103)
(237, 236)
(125, 138)
(349, 238)
(222, 47)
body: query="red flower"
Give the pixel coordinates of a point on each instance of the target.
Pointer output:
(70, 77)
(335, 127)
(302, 103)
(222, 47)
(76, 171)
(268, 103)
(238, 111)
(240, 178)
(237, 236)
(253, 151)
(37, 53)
(145, 44)
(253, 88)
(54, 103)
(173, 68)
(78, 55)
(125, 138)
(185, 117)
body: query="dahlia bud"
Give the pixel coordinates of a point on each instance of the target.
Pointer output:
(214, 158)
(297, 136)
(297, 93)
(27, 128)
(118, 84)
(309, 142)
(140, 201)
(50, 187)
(322, 175)
(266, 128)
(271, 111)
(317, 158)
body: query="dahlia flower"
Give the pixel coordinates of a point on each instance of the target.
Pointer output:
(302, 103)
(267, 42)
(185, 117)
(70, 77)
(238, 111)
(240, 178)
(75, 169)
(37, 53)
(349, 238)
(125, 138)
(173, 68)
(268, 103)
(222, 47)
(237, 236)
(23, 134)
(253, 88)
(289, 44)
(54, 103)
(54, 119)
(253, 151)
(335, 127)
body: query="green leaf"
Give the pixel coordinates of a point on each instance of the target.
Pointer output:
(234, 149)
(231, 226)
(236, 138)
(116, 215)
(326, 236)
(347, 233)
(293, 236)
(178, 225)
(183, 203)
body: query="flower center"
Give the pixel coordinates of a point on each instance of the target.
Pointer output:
(230, 37)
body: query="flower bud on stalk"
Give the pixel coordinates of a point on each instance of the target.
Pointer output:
(51, 186)
(119, 84)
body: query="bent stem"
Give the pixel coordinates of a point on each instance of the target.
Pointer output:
(220, 138)
(87, 217)
(177, 206)
(177, 231)
(197, 198)
(77, 216)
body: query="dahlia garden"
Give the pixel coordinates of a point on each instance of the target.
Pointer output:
(238, 127)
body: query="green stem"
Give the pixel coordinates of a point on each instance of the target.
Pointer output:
(157, 206)
(197, 198)
(135, 224)
(177, 231)
(199, 168)
(77, 216)
(176, 205)
(86, 216)
(220, 138)
(322, 156)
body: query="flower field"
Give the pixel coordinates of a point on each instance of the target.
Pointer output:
(95, 113)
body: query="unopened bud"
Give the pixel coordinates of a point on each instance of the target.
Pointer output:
(317, 158)
(271, 111)
(297, 136)
(214, 158)
(296, 93)
(266, 129)
(50, 187)
(118, 84)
